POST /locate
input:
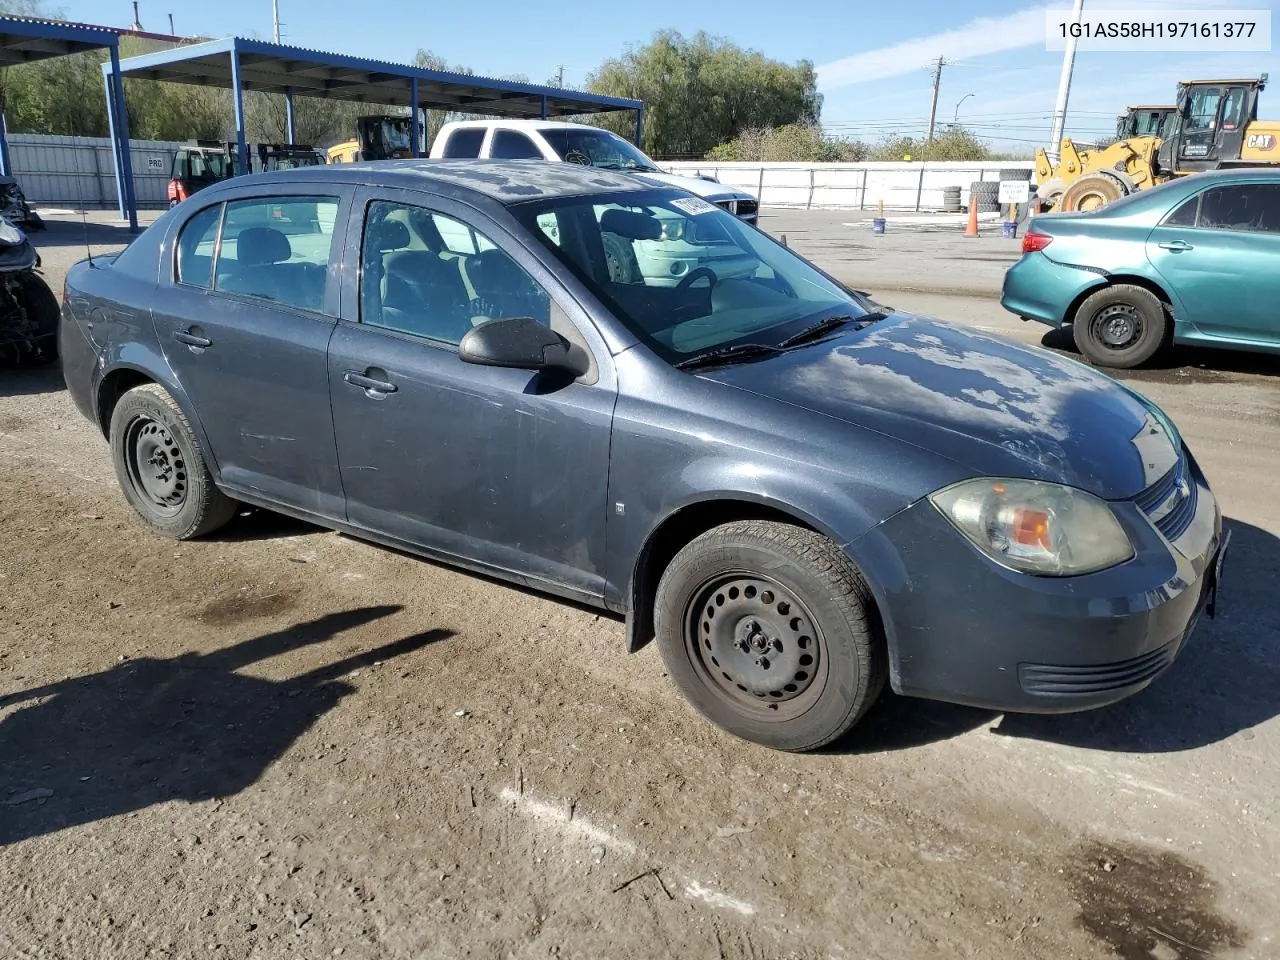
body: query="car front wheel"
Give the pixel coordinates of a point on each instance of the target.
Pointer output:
(161, 471)
(1120, 326)
(769, 631)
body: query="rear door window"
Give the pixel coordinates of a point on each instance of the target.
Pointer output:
(277, 249)
(513, 145)
(464, 144)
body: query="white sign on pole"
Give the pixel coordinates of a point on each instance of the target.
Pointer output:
(1015, 191)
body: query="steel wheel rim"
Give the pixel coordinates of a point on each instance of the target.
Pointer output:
(755, 645)
(156, 465)
(1117, 326)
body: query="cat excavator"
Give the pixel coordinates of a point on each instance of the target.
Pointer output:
(1214, 125)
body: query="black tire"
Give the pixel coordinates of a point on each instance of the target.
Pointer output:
(1121, 326)
(782, 592)
(174, 493)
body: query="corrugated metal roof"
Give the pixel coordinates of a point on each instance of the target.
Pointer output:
(280, 68)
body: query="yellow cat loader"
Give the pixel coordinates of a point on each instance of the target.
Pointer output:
(1214, 126)
(378, 138)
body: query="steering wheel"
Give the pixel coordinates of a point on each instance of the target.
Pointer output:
(578, 157)
(697, 274)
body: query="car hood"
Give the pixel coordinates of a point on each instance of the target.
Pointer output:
(707, 189)
(993, 405)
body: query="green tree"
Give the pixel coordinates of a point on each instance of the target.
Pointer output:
(705, 91)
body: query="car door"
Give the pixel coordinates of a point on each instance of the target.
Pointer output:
(245, 323)
(505, 468)
(1219, 252)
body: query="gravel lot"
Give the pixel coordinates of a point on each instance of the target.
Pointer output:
(282, 742)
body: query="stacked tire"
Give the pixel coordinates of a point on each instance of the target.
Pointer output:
(951, 199)
(987, 194)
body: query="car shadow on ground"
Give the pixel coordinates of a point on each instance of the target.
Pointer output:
(1226, 681)
(69, 232)
(255, 523)
(17, 381)
(1179, 364)
(149, 731)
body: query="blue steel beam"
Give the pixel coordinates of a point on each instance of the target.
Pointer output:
(122, 132)
(414, 124)
(237, 98)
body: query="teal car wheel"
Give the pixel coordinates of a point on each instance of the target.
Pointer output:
(1120, 326)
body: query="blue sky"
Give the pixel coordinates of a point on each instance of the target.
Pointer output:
(872, 57)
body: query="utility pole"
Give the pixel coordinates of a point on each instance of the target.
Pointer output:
(275, 18)
(137, 22)
(933, 117)
(933, 108)
(1064, 89)
(560, 77)
(171, 30)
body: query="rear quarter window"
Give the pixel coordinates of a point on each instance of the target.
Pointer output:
(141, 258)
(464, 144)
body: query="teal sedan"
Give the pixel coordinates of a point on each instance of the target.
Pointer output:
(1193, 261)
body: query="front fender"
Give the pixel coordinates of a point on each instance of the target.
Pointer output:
(720, 490)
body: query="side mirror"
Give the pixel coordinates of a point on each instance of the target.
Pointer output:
(522, 343)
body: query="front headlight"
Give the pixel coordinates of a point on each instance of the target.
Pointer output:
(1036, 527)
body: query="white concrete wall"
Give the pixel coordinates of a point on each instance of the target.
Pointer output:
(856, 186)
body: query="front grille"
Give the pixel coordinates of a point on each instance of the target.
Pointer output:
(1170, 502)
(1064, 681)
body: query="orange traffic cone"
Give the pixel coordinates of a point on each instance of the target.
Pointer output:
(972, 229)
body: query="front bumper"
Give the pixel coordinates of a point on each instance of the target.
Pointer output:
(1037, 288)
(963, 629)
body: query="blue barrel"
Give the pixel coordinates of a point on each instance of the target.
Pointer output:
(1009, 229)
(877, 225)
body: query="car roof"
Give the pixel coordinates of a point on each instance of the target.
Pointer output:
(506, 181)
(517, 122)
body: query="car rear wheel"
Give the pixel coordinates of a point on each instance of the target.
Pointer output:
(161, 471)
(1120, 326)
(769, 631)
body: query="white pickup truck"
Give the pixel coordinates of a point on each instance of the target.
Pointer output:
(577, 143)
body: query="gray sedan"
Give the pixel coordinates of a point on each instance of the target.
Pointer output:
(802, 496)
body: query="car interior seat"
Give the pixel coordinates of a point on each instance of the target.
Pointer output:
(260, 251)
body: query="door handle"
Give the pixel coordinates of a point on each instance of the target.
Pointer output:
(1176, 245)
(369, 384)
(192, 340)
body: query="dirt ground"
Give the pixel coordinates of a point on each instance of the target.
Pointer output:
(285, 743)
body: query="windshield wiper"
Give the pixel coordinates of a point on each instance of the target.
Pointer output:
(827, 324)
(724, 355)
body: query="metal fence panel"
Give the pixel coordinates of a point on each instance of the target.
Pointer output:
(77, 172)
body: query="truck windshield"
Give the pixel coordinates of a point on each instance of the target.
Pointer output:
(685, 277)
(596, 148)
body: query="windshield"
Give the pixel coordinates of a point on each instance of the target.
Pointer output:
(681, 274)
(202, 165)
(596, 148)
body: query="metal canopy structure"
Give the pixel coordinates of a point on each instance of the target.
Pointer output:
(26, 40)
(242, 64)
